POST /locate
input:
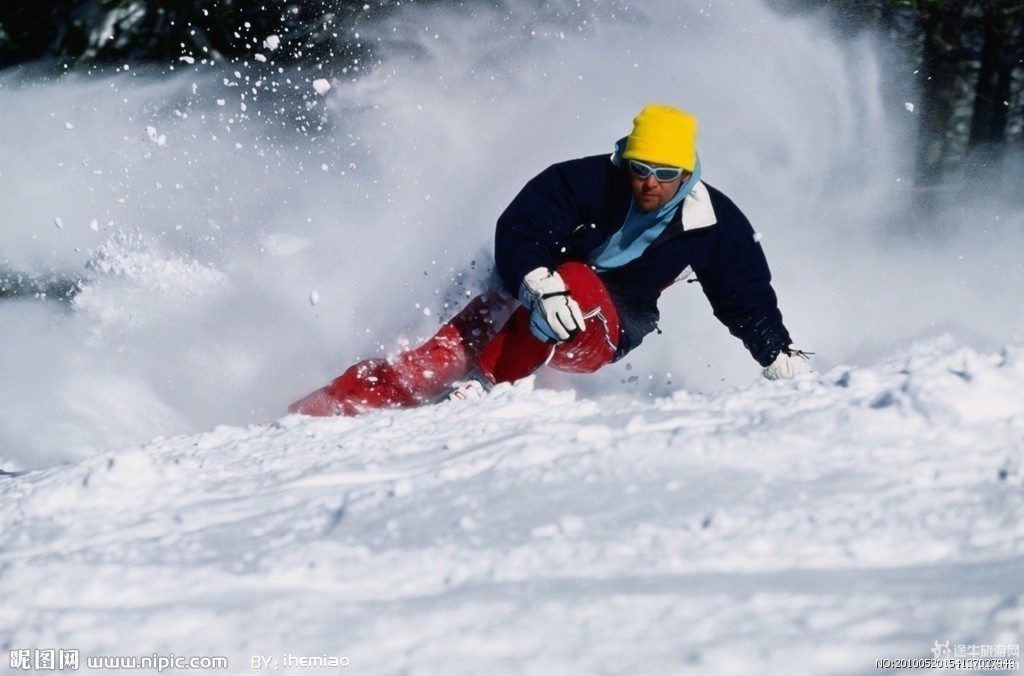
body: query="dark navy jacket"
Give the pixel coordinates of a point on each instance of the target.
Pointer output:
(568, 211)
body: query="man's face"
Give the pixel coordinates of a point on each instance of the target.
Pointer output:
(651, 194)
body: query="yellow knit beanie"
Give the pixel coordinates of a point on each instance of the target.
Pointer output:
(663, 135)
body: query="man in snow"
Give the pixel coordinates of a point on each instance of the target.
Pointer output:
(586, 248)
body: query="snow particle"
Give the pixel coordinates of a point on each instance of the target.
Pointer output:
(314, 299)
(155, 137)
(909, 106)
(322, 86)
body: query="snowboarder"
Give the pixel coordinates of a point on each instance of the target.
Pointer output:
(583, 253)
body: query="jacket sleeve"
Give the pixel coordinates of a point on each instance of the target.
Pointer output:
(736, 280)
(534, 230)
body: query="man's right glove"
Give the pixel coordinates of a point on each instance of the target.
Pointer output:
(554, 315)
(790, 362)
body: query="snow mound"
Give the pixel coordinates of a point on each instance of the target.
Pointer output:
(811, 526)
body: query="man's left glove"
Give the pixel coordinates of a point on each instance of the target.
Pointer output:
(790, 362)
(554, 315)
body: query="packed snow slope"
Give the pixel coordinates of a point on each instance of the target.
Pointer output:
(807, 527)
(237, 234)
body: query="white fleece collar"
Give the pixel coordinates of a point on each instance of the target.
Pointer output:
(698, 211)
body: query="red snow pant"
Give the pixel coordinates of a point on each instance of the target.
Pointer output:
(472, 340)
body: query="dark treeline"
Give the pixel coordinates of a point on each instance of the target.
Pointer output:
(76, 32)
(968, 55)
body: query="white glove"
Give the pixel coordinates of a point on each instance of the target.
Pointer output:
(554, 315)
(790, 362)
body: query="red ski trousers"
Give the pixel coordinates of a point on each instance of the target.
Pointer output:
(471, 340)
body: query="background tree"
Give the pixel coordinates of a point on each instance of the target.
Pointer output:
(1001, 53)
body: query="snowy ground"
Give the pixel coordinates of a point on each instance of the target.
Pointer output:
(240, 234)
(803, 527)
